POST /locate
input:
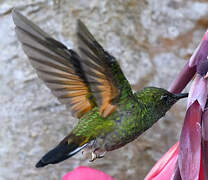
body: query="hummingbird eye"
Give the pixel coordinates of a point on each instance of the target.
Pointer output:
(164, 98)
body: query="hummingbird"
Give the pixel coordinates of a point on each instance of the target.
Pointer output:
(92, 85)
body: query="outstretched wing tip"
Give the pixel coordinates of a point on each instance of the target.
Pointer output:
(18, 17)
(15, 15)
(79, 21)
(14, 12)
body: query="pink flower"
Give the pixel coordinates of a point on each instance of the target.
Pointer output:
(189, 160)
(190, 156)
(167, 167)
(163, 169)
(85, 173)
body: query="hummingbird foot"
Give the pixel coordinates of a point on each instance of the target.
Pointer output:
(96, 155)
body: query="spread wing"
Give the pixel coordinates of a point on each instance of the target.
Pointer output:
(56, 65)
(103, 73)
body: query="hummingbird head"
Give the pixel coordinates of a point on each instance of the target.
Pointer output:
(158, 99)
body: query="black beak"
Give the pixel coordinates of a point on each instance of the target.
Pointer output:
(181, 95)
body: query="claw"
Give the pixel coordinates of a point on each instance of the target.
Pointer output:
(101, 155)
(96, 156)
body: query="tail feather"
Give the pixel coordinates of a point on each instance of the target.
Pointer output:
(60, 153)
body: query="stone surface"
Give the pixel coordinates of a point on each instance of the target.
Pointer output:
(152, 40)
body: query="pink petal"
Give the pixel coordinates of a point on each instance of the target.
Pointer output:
(205, 143)
(205, 37)
(190, 144)
(201, 51)
(176, 173)
(85, 173)
(201, 173)
(198, 92)
(167, 172)
(193, 59)
(165, 166)
(182, 79)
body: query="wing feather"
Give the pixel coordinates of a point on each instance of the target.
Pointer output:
(57, 66)
(79, 82)
(97, 67)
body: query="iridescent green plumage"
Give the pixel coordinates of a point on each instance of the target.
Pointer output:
(95, 89)
(134, 115)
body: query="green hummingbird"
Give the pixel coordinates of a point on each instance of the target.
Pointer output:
(94, 87)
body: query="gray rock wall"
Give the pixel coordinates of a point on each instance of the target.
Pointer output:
(152, 40)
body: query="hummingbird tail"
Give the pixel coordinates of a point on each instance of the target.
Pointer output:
(64, 150)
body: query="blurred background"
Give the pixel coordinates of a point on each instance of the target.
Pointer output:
(152, 40)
